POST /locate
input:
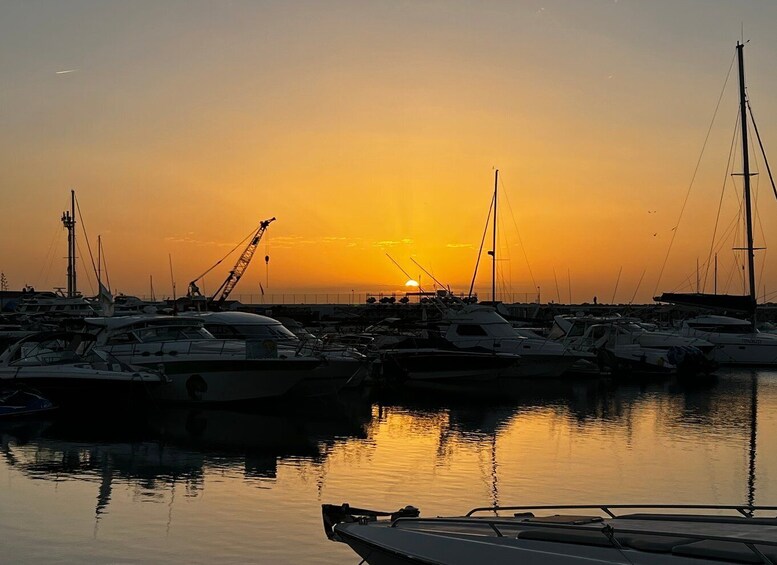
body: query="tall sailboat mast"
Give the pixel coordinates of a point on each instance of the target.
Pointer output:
(746, 174)
(493, 252)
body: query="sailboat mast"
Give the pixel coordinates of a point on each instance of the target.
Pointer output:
(493, 252)
(746, 173)
(73, 242)
(99, 259)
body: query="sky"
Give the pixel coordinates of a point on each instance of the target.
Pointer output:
(374, 128)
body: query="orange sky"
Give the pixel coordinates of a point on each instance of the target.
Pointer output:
(368, 128)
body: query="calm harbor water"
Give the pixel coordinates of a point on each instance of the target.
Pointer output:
(199, 486)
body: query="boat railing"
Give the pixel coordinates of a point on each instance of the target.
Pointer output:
(744, 509)
(608, 531)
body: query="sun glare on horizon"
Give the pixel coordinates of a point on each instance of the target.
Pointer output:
(412, 283)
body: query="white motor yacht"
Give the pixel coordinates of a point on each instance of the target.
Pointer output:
(736, 341)
(344, 367)
(476, 327)
(560, 535)
(202, 368)
(627, 347)
(67, 369)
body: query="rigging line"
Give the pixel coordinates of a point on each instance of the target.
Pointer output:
(78, 245)
(430, 275)
(693, 177)
(720, 202)
(614, 292)
(403, 271)
(86, 236)
(520, 239)
(721, 242)
(504, 249)
(48, 260)
(480, 251)
(756, 193)
(763, 267)
(761, 146)
(105, 270)
(770, 295)
(558, 293)
(633, 296)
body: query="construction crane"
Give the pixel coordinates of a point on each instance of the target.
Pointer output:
(222, 292)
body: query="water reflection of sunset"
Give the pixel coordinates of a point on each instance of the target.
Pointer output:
(182, 485)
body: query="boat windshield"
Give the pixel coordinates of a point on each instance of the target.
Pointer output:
(172, 333)
(275, 332)
(48, 352)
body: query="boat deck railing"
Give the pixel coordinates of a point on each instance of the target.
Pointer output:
(615, 535)
(744, 509)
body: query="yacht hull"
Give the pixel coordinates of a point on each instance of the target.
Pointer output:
(447, 370)
(232, 381)
(67, 387)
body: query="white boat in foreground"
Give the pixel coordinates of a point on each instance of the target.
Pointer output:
(622, 534)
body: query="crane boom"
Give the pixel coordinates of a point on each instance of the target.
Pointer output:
(237, 271)
(240, 267)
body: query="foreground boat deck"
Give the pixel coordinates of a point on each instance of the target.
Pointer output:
(677, 534)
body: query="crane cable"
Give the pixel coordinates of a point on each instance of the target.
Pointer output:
(231, 251)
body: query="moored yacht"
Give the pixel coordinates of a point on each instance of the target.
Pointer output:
(68, 370)
(626, 346)
(202, 368)
(477, 327)
(345, 367)
(736, 341)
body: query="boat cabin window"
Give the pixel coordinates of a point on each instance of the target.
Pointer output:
(223, 332)
(274, 332)
(470, 330)
(172, 333)
(122, 339)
